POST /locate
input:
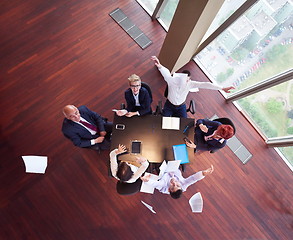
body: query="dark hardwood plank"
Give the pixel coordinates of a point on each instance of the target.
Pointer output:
(55, 53)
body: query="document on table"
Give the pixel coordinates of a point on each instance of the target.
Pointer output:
(171, 123)
(196, 203)
(35, 164)
(146, 188)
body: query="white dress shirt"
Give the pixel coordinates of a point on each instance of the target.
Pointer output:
(137, 171)
(164, 183)
(179, 87)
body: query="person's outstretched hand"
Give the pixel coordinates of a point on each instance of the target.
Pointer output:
(146, 177)
(227, 89)
(208, 171)
(190, 144)
(121, 149)
(156, 60)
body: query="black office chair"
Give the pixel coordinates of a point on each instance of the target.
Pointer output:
(147, 87)
(225, 121)
(128, 188)
(191, 107)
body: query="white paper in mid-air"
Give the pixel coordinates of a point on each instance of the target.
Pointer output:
(148, 206)
(196, 203)
(35, 164)
(171, 166)
(146, 188)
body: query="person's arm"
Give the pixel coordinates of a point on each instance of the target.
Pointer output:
(163, 70)
(113, 159)
(144, 165)
(196, 177)
(209, 85)
(97, 119)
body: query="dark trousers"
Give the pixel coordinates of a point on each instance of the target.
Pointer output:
(171, 110)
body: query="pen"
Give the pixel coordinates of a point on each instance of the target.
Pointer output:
(185, 129)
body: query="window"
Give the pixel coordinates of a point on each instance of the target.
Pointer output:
(257, 46)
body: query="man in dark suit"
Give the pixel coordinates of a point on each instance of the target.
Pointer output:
(137, 98)
(210, 135)
(86, 128)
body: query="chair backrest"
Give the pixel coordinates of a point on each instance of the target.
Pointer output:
(128, 188)
(226, 121)
(148, 88)
(166, 92)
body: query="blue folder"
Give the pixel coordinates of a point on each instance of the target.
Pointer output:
(180, 153)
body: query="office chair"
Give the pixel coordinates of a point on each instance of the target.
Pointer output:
(226, 121)
(128, 188)
(191, 107)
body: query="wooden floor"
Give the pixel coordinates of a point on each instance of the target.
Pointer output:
(62, 52)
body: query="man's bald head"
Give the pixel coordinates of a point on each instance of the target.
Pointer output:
(72, 113)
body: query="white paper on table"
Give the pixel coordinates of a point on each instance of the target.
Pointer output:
(146, 188)
(148, 206)
(171, 123)
(35, 164)
(196, 203)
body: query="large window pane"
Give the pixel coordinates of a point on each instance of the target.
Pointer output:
(168, 12)
(257, 46)
(227, 9)
(148, 5)
(271, 110)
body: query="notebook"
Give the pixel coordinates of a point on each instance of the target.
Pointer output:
(180, 153)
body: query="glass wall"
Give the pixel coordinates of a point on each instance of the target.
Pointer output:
(257, 46)
(168, 12)
(148, 5)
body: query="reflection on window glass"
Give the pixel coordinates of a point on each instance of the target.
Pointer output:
(148, 5)
(168, 12)
(227, 9)
(271, 109)
(257, 46)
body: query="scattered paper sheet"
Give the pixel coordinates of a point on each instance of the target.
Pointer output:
(114, 110)
(193, 90)
(35, 164)
(171, 166)
(196, 203)
(146, 188)
(148, 206)
(171, 123)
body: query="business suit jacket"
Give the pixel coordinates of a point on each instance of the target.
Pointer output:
(79, 135)
(144, 101)
(209, 145)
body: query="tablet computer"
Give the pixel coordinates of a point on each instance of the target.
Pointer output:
(136, 147)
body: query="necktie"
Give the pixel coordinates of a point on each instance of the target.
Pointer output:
(88, 125)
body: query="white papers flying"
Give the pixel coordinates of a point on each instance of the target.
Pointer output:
(196, 203)
(147, 188)
(114, 110)
(194, 90)
(35, 164)
(171, 166)
(171, 123)
(148, 206)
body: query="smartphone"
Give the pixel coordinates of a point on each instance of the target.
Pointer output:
(120, 126)
(135, 147)
(186, 140)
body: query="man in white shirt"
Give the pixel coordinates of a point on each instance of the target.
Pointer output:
(179, 85)
(174, 183)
